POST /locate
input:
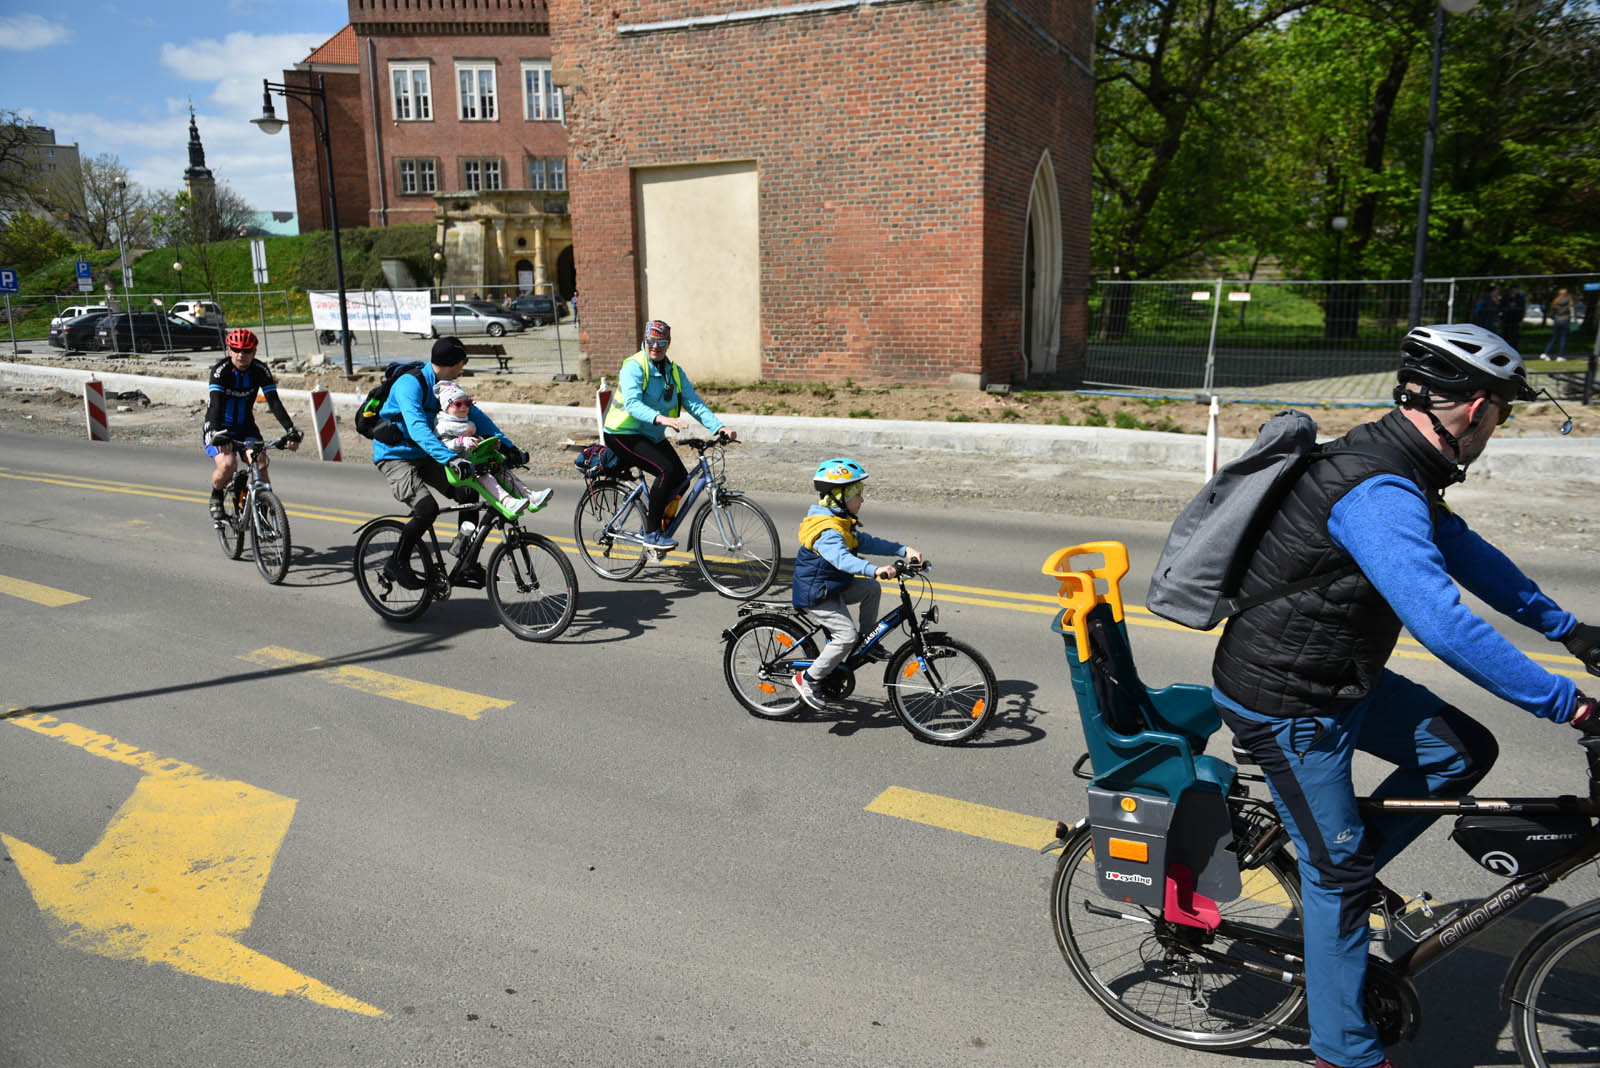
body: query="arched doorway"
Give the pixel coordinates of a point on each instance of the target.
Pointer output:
(524, 269)
(566, 273)
(1041, 273)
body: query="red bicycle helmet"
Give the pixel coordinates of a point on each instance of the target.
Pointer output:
(241, 340)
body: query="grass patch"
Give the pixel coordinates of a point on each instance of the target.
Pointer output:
(861, 413)
(1125, 421)
(959, 417)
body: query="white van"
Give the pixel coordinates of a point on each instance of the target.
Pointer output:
(204, 312)
(74, 311)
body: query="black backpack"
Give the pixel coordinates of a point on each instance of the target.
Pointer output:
(369, 424)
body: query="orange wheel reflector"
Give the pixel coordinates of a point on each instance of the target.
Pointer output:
(767, 687)
(784, 640)
(977, 709)
(912, 667)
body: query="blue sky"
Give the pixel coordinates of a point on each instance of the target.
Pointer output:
(117, 78)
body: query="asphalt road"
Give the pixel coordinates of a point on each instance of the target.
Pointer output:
(345, 843)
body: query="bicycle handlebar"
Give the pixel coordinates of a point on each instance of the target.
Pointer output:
(904, 567)
(700, 445)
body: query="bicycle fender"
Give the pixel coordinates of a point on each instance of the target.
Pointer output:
(1540, 937)
(929, 637)
(1063, 833)
(379, 519)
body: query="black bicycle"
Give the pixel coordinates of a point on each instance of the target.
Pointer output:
(531, 585)
(250, 505)
(942, 689)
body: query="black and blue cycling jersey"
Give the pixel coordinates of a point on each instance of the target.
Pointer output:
(233, 397)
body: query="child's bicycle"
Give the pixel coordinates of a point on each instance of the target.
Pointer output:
(531, 585)
(250, 505)
(942, 689)
(732, 538)
(1176, 901)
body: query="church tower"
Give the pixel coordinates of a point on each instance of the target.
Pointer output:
(202, 187)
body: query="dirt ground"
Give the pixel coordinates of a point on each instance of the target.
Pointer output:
(1555, 515)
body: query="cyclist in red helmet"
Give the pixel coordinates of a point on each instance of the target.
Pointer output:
(652, 393)
(230, 415)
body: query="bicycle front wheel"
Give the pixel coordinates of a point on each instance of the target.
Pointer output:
(230, 530)
(1555, 1005)
(758, 664)
(736, 546)
(948, 697)
(1149, 975)
(608, 557)
(532, 586)
(374, 549)
(269, 537)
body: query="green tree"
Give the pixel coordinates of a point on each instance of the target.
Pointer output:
(28, 242)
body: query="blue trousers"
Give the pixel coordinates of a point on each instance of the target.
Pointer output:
(1437, 750)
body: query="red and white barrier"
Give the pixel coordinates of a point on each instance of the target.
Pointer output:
(1211, 441)
(327, 430)
(602, 401)
(94, 410)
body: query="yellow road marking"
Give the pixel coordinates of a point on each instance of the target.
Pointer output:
(964, 817)
(48, 596)
(177, 875)
(440, 698)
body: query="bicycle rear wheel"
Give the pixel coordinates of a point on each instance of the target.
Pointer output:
(736, 546)
(611, 558)
(757, 664)
(948, 701)
(269, 537)
(1555, 1005)
(1148, 974)
(374, 549)
(532, 586)
(230, 528)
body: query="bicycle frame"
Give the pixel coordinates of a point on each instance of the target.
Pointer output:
(902, 613)
(700, 478)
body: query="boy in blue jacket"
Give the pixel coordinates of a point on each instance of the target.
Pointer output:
(827, 566)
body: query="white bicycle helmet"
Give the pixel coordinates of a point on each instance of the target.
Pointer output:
(1458, 360)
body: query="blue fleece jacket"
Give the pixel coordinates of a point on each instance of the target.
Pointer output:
(415, 407)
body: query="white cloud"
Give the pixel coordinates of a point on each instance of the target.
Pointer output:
(29, 33)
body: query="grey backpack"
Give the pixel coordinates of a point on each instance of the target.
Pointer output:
(1196, 580)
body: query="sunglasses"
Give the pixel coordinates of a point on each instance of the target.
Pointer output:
(461, 403)
(1505, 411)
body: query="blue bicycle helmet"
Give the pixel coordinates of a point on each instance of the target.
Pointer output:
(837, 473)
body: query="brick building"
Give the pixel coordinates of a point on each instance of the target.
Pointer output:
(885, 190)
(448, 115)
(336, 61)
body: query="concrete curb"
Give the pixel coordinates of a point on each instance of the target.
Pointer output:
(1576, 459)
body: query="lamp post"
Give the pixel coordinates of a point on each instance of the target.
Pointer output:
(438, 270)
(271, 124)
(122, 262)
(177, 266)
(1420, 255)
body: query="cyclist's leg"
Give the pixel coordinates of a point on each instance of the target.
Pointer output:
(224, 462)
(1438, 750)
(660, 462)
(408, 483)
(1307, 764)
(869, 595)
(834, 615)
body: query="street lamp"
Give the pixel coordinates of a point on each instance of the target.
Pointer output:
(1420, 255)
(271, 124)
(122, 261)
(438, 270)
(177, 265)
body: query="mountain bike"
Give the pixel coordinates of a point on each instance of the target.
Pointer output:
(733, 540)
(1131, 913)
(531, 584)
(250, 505)
(942, 689)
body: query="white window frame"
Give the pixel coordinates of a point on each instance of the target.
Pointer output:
(541, 99)
(478, 99)
(413, 102)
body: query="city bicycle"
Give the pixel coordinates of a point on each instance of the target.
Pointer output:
(1168, 825)
(250, 506)
(532, 586)
(942, 689)
(733, 540)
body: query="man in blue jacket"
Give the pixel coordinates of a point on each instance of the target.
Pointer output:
(1301, 678)
(419, 462)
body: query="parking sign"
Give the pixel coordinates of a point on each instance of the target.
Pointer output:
(85, 277)
(8, 280)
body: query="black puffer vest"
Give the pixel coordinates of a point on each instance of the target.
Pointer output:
(1320, 651)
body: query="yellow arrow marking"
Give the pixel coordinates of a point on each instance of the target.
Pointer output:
(980, 821)
(440, 698)
(176, 876)
(48, 596)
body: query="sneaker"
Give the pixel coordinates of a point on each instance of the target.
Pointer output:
(216, 507)
(875, 655)
(539, 500)
(808, 692)
(474, 576)
(514, 505)
(657, 540)
(402, 576)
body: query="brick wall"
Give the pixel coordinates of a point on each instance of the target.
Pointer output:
(871, 128)
(349, 151)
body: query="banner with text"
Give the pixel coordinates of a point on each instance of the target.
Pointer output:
(401, 311)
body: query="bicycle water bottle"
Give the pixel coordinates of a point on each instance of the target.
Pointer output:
(670, 511)
(463, 537)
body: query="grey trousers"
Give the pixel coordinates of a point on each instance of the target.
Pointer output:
(834, 614)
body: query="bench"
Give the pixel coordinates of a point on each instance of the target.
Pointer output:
(497, 351)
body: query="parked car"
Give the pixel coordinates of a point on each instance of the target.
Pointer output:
(536, 309)
(467, 319)
(75, 310)
(77, 334)
(204, 312)
(155, 332)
